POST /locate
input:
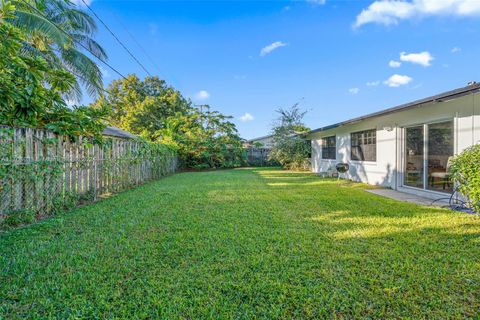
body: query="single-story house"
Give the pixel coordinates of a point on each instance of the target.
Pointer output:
(407, 147)
(264, 142)
(258, 150)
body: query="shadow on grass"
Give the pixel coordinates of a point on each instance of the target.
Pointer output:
(406, 253)
(245, 243)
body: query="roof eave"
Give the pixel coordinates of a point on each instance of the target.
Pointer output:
(414, 104)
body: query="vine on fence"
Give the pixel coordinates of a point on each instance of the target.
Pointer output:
(43, 174)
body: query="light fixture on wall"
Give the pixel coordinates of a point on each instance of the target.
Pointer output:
(388, 128)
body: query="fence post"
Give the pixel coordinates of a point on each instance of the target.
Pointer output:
(95, 176)
(100, 169)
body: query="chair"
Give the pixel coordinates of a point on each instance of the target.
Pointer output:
(443, 175)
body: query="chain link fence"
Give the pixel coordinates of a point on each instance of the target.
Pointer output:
(42, 173)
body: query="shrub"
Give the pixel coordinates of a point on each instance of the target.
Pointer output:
(17, 218)
(65, 202)
(465, 171)
(290, 149)
(292, 153)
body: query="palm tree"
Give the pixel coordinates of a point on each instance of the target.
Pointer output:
(62, 33)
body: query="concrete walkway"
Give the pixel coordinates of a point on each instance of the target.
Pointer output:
(407, 197)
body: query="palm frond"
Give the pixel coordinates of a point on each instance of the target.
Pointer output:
(94, 47)
(85, 69)
(54, 62)
(30, 51)
(31, 22)
(74, 19)
(82, 20)
(63, 31)
(75, 95)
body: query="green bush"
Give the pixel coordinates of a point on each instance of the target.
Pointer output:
(290, 149)
(465, 171)
(65, 202)
(292, 153)
(17, 218)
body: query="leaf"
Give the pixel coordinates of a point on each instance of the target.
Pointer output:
(32, 22)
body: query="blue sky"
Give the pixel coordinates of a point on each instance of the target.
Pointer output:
(340, 59)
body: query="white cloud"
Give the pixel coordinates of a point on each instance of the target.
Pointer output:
(273, 46)
(246, 117)
(456, 49)
(373, 83)
(202, 95)
(390, 12)
(353, 90)
(394, 64)
(397, 80)
(422, 58)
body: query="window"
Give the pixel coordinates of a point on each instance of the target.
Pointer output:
(429, 149)
(364, 145)
(329, 148)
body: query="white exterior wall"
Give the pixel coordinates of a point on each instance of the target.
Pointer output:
(379, 172)
(267, 142)
(387, 170)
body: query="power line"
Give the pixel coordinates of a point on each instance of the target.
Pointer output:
(116, 38)
(83, 46)
(74, 40)
(137, 42)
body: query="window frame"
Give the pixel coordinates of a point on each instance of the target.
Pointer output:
(426, 138)
(329, 148)
(360, 139)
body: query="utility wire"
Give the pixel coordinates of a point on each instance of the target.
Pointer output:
(79, 43)
(136, 42)
(116, 38)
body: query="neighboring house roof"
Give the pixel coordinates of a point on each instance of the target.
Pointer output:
(414, 104)
(118, 133)
(260, 138)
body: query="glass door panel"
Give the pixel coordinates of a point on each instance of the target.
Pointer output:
(414, 157)
(440, 152)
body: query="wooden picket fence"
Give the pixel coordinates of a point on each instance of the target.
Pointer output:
(43, 172)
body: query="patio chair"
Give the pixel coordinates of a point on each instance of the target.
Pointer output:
(443, 175)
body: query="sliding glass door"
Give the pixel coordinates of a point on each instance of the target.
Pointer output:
(414, 157)
(440, 152)
(427, 153)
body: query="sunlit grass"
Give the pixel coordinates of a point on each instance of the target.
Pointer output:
(246, 243)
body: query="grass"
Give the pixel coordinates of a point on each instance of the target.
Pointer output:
(247, 243)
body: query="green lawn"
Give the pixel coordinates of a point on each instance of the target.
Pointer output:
(246, 243)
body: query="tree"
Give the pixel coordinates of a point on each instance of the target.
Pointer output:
(289, 148)
(59, 32)
(142, 107)
(159, 113)
(204, 139)
(31, 92)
